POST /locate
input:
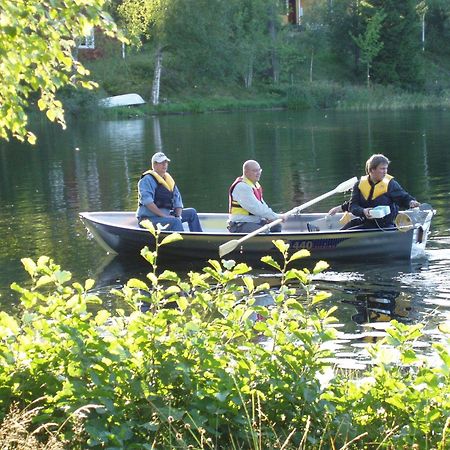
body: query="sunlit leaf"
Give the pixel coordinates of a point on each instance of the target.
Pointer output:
(228, 263)
(62, 276)
(271, 262)
(444, 327)
(320, 296)
(102, 316)
(29, 265)
(89, 284)
(182, 303)
(249, 283)
(169, 275)
(173, 237)
(303, 253)
(148, 225)
(282, 246)
(320, 267)
(42, 281)
(137, 284)
(215, 264)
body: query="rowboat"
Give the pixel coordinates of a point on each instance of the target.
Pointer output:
(119, 233)
(121, 100)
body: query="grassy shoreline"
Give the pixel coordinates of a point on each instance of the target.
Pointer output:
(318, 96)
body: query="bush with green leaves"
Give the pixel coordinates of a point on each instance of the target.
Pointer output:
(197, 371)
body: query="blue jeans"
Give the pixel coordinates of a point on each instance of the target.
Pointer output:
(188, 215)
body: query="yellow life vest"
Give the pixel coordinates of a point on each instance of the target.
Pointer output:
(378, 189)
(235, 207)
(168, 182)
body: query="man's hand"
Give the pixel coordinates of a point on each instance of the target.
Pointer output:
(367, 213)
(334, 210)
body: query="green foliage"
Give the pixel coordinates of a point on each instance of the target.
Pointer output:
(36, 44)
(369, 43)
(315, 95)
(399, 64)
(198, 370)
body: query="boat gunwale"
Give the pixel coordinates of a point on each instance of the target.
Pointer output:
(88, 216)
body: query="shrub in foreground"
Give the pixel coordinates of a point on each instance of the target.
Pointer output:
(197, 371)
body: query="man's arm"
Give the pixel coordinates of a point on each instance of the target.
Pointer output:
(401, 197)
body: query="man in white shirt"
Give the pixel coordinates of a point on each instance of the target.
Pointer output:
(247, 209)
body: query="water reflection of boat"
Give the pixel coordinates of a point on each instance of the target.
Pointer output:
(118, 232)
(381, 306)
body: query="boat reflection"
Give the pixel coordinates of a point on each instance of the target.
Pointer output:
(380, 306)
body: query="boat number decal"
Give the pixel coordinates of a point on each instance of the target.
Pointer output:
(316, 244)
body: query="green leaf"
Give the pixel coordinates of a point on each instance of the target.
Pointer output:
(271, 262)
(171, 290)
(299, 254)
(42, 281)
(216, 264)
(89, 284)
(137, 284)
(249, 283)
(148, 225)
(102, 316)
(320, 296)
(62, 276)
(228, 263)
(29, 265)
(153, 278)
(282, 246)
(182, 303)
(169, 275)
(173, 237)
(444, 327)
(320, 267)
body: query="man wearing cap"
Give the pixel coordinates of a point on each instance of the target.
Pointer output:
(247, 208)
(160, 200)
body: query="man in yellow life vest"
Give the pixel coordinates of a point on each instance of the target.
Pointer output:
(247, 209)
(377, 188)
(159, 199)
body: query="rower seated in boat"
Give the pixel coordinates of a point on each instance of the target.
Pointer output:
(247, 209)
(375, 189)
(159, 199)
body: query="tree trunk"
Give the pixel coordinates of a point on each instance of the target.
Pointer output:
(157, 76)
(248, 79)
(274, 56)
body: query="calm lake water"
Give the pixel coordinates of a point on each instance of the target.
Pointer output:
(96, 165)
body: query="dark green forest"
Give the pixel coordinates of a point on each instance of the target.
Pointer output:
(180, 50)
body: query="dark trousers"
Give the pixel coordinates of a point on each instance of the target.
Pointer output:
(248, 227)
(366, 224)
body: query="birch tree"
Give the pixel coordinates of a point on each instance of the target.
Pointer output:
(148, 20)
(369, 42)
(37, 39)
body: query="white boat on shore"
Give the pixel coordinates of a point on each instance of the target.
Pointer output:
(121, 100)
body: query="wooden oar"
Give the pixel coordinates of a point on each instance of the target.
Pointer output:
(231, 245)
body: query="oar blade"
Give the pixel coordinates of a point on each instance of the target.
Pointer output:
(346, 185)
(228, 247)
